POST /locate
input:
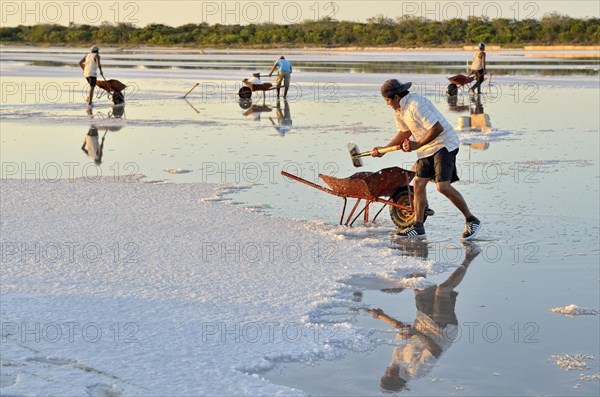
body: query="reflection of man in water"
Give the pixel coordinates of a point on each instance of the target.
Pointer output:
(476, 105)
(433, 331)
(284, 119)
(91, 146)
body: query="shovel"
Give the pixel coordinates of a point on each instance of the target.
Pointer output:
(356, 155)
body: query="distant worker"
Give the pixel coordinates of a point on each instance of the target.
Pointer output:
(284, 73)
(90, 65)
(478, 68)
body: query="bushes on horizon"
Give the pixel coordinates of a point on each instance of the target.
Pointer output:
(404, 31)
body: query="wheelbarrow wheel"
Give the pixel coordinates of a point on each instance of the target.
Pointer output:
(404, 218)
(245, 92)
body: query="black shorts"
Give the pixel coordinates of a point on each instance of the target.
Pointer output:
(440, 167)
(91, 80)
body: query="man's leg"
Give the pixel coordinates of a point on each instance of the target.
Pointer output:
(92, 82)
(420, 199)
(278, 81)
(286, 82)
(454, 196)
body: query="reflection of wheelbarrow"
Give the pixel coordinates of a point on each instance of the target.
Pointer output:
(371, 186)
(249, 87)
(114, 90)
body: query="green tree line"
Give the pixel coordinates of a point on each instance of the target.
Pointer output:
(552, 29)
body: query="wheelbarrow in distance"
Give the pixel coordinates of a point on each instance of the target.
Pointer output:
(114, 90)
(255, 84)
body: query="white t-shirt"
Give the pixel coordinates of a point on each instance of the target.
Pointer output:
(418, 115)
(91, 67)
(477, 63)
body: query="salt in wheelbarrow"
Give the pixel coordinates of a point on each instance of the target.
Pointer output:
(393, 182)
(249, 87)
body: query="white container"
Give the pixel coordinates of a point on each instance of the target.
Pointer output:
(464, 122)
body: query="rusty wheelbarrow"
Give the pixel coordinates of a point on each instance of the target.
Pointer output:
(393, 182)
(459, 80)
(114, 90)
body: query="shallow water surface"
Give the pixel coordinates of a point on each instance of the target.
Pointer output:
(532, 178)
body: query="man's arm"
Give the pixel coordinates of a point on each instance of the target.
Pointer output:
(272, 70)
(483, 61)
(99, 65)
(400, 137)
(433, 133)
(82, 63)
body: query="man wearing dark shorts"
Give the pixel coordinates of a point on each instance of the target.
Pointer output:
(90, 64)
(436, 144)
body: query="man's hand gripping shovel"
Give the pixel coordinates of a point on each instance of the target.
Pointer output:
(356, 155)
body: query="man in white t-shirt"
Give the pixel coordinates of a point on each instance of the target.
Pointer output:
(90, 65)
(478, 68)
(436, 144)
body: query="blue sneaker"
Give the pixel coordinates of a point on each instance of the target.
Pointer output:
(471, 230)
(412, 232)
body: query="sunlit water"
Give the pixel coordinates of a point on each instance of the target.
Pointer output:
(533, 180)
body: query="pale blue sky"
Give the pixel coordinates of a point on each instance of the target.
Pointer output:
(179, 12)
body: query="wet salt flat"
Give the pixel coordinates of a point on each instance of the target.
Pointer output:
(533, 180)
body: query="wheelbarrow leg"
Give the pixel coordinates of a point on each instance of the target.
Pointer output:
(365, 210)
(343, 210)
(379, 212)
(352, 212)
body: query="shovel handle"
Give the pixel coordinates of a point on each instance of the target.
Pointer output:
(384, 150)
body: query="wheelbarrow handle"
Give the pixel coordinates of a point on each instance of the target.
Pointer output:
(309, 183)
